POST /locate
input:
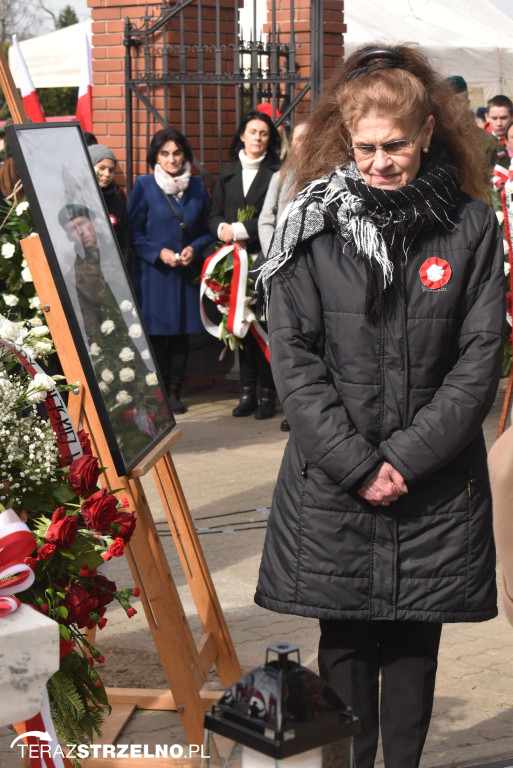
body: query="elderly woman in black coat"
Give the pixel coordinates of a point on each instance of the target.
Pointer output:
(243, 184)
(386, 309)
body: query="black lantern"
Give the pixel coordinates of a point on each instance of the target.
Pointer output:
(282, 714)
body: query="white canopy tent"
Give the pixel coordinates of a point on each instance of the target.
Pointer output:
(54, 60)
(472, 38)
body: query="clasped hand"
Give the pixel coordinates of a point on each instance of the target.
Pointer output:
(384, 487)
(173, 259)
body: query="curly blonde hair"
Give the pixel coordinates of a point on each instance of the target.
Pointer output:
(415, 90)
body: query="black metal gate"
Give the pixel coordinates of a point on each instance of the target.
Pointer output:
(185, 65)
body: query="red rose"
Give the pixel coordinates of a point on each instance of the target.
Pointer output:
(99, 510)
(66, 647)
(85, 443)
(80, 603)
(123, 525)
(62, 530)
(117, 547)
(83, 474)
(46, 551)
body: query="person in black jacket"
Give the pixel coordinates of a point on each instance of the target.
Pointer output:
(243, 185)
(104, 162)
(385, 284)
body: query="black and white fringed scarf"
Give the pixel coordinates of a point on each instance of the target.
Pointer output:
(382, 225)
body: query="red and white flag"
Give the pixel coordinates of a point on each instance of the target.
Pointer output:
(85, 89)
(31, 103)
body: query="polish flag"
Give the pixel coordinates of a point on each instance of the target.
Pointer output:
(31, 103)
(85, 90)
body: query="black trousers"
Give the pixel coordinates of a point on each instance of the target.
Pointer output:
(254, 367)
(352, 654)
(171, 353)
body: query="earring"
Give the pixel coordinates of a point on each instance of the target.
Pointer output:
(425, 150)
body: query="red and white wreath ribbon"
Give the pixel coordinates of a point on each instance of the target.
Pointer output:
(68, 442)
(499, 176)
(16, 543)
(240, 319)
(41, 739)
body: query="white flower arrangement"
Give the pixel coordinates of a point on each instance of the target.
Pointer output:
(126, 375)
(107, 327)
(126, 355)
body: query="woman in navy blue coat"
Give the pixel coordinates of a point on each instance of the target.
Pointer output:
(168, 213)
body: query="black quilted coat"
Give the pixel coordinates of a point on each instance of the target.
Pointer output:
(414, 391)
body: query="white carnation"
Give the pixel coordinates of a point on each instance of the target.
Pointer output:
(104, 388)
(107, 376)
(10, 299)
(126, 305)
(123, 397)
(145, 354)
(151, 379)
(38, 387)
(127, 374)
(126, 354)
(8, 250)
(95, 349)
(135, 331)
(21, 208)
(107, 327)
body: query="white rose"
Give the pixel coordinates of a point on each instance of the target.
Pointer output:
(26, 276)
(151, 379)
(107, 376)
(43, 347)
(126, 354)
(126, 306)
(41, 330)
(10, 299)
(8, 250)
(35, 303)
(38, 387)
(107, 327)
(95, 349)
(21, 208)
(127, 374)
(135, 331)
(123, 397)
(9, 331)
(145, 354)
(36, 322)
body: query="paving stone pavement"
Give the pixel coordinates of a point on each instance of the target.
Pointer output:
(228, 468)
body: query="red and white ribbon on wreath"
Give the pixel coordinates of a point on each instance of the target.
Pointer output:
(40, 737)
(16, 543)
(499, 176)
(238, 322)
(68, 441)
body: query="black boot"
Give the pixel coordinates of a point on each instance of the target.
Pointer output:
(266, 408)
(247, 403)
(175, 403)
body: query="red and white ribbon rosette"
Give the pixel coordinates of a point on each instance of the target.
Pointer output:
(240, 319)
(16, 543)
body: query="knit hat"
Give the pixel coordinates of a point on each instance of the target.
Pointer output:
(99, 152)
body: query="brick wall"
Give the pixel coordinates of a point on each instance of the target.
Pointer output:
(109, 123)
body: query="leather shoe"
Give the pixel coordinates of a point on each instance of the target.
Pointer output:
(285, 426)
(248, 402)
(266, 407)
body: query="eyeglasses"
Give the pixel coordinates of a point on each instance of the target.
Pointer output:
(391, 147)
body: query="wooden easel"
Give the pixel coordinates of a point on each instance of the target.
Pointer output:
(185, 664)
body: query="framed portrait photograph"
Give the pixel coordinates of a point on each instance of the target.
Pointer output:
(94, 287)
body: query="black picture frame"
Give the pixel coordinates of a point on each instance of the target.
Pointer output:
(94, 287)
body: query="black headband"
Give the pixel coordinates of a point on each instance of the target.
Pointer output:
(377, 58)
